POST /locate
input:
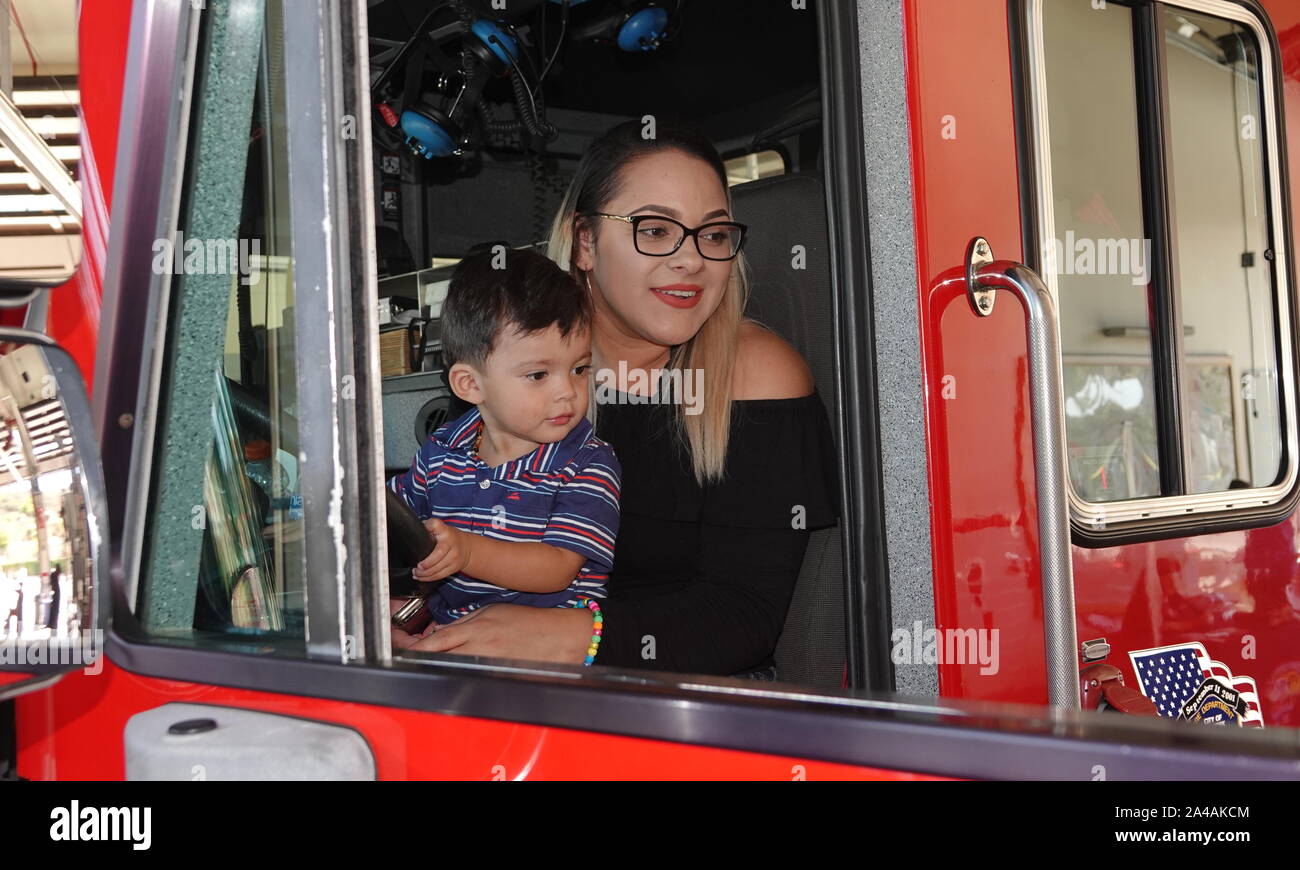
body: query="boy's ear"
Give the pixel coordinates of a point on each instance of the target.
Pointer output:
(464, 382)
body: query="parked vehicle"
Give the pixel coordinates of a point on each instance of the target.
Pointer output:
(1045, 288)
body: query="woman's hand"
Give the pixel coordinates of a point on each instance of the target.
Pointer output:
(450, 554)
(402, 639)
(514, 631)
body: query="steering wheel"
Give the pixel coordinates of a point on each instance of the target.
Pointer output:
(409, 542)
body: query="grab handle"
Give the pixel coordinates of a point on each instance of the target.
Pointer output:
(984, 277)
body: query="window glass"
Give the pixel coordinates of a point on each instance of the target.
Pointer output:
(1223, 239)
(1220, 244)
(224, 548)
(751, 167)
(1099, 255)
(1112, 449)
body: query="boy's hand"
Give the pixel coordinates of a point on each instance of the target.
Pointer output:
(449, 556)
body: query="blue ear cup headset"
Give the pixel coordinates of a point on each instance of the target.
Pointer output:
(466, 51)
(643, 29)
(632, 25)
(431, 132)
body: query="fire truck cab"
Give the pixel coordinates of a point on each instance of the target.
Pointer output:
(1036, 253)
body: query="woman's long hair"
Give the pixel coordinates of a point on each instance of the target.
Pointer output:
(712, 350)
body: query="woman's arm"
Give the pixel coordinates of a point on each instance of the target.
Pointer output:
(727, 622)
(515, 631)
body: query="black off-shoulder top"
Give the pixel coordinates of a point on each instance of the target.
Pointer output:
(703, 576)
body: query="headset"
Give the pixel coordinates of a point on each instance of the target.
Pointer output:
(467, 50)
(632, 25)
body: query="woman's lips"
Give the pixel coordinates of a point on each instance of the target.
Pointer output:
(679, 295)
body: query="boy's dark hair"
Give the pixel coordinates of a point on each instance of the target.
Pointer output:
(529, 294)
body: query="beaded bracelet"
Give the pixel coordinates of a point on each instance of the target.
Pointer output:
(597, 627)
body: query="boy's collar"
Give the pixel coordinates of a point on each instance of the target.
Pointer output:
(459, 435)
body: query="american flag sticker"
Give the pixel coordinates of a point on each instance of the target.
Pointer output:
(1185, 683)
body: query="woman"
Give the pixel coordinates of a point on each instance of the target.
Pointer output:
(721, 486)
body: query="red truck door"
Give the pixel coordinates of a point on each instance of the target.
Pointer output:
(1133, 155)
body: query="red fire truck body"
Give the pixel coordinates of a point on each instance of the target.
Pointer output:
(1220, 576)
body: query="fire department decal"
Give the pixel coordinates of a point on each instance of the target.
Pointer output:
(1185, 683)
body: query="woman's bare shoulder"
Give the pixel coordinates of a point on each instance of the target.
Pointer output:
(767, 367)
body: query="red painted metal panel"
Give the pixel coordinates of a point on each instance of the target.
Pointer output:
(75, 732)
(1237, 592)
(983, 510)
(7, 677)
(74, 309)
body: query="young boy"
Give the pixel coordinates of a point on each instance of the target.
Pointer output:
(520, 496)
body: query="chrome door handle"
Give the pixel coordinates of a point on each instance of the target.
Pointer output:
(984, 277)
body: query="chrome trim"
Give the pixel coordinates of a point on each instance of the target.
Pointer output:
(981, 298)
(150, 169)
(319, 230)
(365, 319)
(158, 314)
(36, 317)
(9, 691)
(1101, 515)
(1047, 418)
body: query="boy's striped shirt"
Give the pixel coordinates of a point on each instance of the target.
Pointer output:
(565, 494)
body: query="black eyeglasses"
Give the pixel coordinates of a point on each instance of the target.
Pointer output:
(657, 236)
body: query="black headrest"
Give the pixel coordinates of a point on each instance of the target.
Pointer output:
(790, 270)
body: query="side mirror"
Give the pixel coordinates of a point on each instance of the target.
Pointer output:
(53, 577)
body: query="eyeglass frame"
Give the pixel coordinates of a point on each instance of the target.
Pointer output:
(636, 219)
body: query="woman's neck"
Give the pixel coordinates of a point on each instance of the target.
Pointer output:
(636, 354)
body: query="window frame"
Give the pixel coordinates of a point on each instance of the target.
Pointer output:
(339, 627)
(1098, 524)
(868, 630)
(360, 667)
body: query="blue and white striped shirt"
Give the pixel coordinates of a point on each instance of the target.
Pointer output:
(564, 494)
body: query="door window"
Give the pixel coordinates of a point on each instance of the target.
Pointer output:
(1163, 240)
(224, 545)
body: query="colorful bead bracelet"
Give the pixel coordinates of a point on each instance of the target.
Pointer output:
(597, 626)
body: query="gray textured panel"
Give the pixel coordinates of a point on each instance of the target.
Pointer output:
(244, 745)
(198, 329)
(894, 283)
(404, 398)
(782, 212)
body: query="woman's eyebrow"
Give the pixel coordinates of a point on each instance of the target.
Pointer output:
(674, 213)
